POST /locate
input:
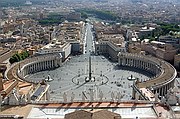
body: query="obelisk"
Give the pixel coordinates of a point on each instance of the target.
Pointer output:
(89, 68)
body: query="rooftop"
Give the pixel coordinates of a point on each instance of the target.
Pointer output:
(126, 110)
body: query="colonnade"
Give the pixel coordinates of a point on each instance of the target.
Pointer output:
(40, 63)
(164, 73)
(140, 63)
(162, 90)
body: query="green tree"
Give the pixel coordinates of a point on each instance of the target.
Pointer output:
(84, 15)
(12, 60)
(18, 57)
(26, 54)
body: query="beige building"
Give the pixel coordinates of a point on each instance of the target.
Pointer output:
(160, 50)
(5, 54)
(109, 42)
(110, 45)
(132, 48)
(56, 47)
(177, 61)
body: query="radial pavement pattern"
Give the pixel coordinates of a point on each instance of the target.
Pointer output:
(109, 81)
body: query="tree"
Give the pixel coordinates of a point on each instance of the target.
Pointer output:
(18, 57)
(12, 60)
(84, 15)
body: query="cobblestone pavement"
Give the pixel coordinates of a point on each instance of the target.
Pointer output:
(108, 80)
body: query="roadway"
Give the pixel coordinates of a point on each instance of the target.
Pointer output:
(88, 40)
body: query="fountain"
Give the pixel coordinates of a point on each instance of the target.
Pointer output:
(49, 79)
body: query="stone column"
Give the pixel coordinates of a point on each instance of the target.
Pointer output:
(123, 61)
(141, 64)
(161, 91)
(44, 64)
(135, 61)
(0, 102)
(144, 64)
(50, 64)
(39, 66)
(53, 63)
(129, 62)
(36, 66)
(27, 70)
(34, 69)
(152, 68)
(165, 89)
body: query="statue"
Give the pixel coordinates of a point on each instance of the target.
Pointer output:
(163, 100)
(118, 96)
(112, 96)
(72, 97)
(136, 97)
(65, 97)
(91, 95)
(156, 97)
(48, 96)
(101, 95)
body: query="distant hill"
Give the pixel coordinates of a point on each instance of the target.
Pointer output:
(100, 0)
(16, 3)
(6, 3)
(136, 1)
